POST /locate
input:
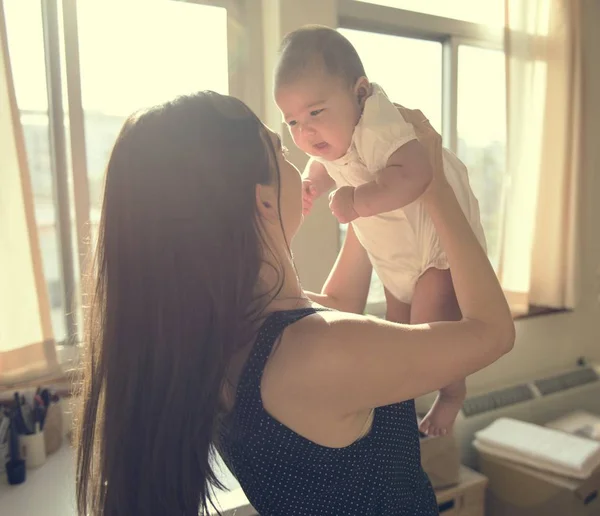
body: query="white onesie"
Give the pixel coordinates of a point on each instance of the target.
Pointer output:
(401, 244)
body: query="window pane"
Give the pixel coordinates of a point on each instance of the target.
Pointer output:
(482, 134)
(157, 49)
(424, 93)
(414, 58)
(26, 48)
(488, 12)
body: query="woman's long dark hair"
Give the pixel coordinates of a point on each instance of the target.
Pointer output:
(176, 268)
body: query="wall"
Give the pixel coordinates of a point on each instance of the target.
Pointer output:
(545, 343)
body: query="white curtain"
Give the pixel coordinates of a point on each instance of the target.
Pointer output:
(543, 75)
(27, 348)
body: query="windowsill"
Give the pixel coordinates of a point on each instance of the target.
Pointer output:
(378, 310)
(68, 355)
(538, 311)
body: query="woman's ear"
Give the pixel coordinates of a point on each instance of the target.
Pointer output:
(362, 90)
(266, 202)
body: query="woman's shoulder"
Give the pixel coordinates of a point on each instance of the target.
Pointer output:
(306, 367)
(327, 328)
(320, 317)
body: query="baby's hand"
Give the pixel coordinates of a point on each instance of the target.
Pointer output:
(341, 204)
(309, 194)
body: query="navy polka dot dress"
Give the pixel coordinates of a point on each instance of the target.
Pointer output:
(284, 474)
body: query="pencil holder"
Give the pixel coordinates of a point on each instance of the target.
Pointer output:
(53, 428)
(33, 449)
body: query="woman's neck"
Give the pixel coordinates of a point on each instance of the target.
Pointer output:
(281, 278)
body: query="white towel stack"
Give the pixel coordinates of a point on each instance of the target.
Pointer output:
(579, 423)
(539, 447)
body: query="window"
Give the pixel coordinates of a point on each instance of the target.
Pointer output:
(132, 54)
(455, 76)
(178, 48)
(404, 56)
(489, 12)
(481, 128)
(26, 50)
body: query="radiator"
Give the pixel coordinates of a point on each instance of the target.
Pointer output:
(538, 401)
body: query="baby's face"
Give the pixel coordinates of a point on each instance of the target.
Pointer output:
(321, 112)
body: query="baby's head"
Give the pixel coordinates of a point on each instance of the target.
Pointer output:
(320, 88)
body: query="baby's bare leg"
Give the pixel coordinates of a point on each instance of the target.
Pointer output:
(396, 311)
(434, 300)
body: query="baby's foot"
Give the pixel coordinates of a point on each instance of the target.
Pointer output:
(440, 418)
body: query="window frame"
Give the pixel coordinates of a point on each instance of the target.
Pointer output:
(451, 33)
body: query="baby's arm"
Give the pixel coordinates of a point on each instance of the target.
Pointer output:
(400, 183)
(315, 182)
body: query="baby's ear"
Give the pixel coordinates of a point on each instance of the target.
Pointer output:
(362, 89)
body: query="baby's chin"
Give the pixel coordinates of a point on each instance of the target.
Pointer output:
(326, 152)
(339, 154)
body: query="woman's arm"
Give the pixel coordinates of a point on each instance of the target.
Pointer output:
(347, 286)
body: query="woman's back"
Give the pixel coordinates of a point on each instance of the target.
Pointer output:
(282, 472)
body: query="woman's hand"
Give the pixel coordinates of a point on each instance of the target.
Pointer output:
(430, 140)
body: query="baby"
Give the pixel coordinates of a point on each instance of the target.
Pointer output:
(360, 144)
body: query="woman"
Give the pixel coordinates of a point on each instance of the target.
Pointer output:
(201, 337)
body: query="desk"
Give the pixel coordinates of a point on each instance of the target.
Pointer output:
(50, 490)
